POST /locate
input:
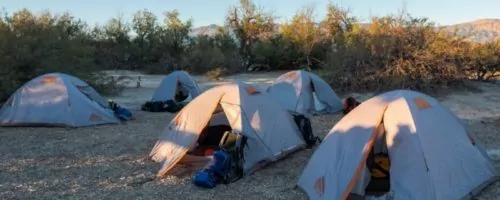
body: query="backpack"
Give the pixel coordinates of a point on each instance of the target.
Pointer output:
(215, 172)
(228, 162)
(304, 125)
(349, 104)
(120, 112)
(234, 144)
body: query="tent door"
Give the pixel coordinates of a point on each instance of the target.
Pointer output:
(378, 163)
(212, 133)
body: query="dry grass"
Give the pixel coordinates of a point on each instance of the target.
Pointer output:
(105, 162)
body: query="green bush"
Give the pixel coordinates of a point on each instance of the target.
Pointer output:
(390, 52)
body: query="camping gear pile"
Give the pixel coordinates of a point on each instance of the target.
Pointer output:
(162, 106)
(120, 112)
(227, 165)
(398, 145)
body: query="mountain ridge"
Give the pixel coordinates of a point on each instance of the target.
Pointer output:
(480, 30)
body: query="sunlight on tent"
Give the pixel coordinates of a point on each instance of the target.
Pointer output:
(41, 95)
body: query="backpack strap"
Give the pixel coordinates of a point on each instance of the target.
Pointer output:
(228, 140)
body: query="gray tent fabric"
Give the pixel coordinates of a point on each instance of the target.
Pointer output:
(294, 90)
(168, 86)
(432, 155)
(270, 129)
(56, 99)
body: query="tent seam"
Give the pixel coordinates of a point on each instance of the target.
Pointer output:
(421, 146)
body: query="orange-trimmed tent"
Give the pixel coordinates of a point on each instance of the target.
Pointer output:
(270, 130)
(431, 154)
(304, 93)
(56, 99)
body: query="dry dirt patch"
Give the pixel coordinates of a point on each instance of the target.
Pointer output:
(106, 162)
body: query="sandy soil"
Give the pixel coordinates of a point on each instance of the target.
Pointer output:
(106, 162)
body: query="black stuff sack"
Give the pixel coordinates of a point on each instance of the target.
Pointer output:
(304, 125)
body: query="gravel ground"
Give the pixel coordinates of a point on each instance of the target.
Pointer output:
(106, 162)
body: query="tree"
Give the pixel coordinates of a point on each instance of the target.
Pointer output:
(117, 43)
(145, 25)
(32, 45)
(175, 35)
(304, 32)
(392, 52)
(337, 22)
(249, 25)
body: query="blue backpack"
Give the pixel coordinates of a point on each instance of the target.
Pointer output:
(209, 177)
(228, 162)
(120, 112)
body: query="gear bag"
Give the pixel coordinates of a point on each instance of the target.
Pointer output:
(349, 104)
(234, 144)
(162, 106)
(304, 125)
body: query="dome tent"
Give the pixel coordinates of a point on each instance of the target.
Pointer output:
(177, 80)
(432, 156)
(56, 99)
(303, 92)
(270, 130)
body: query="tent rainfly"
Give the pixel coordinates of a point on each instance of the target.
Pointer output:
(177, 80)
(56, 99)
(271, 132)
(432, 156)
(298, 91)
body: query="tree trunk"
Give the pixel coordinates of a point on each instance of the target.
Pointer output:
(308, 68)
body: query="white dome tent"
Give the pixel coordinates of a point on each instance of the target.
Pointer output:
(432, 156)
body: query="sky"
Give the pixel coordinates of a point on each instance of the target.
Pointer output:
(206, 12)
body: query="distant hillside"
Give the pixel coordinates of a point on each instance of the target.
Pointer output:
(481, 30)
(204, 30)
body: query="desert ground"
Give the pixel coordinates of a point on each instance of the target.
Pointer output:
(106, 162)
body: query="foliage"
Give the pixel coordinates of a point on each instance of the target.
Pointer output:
(250, 24)
(389, 52)
(303, 32)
